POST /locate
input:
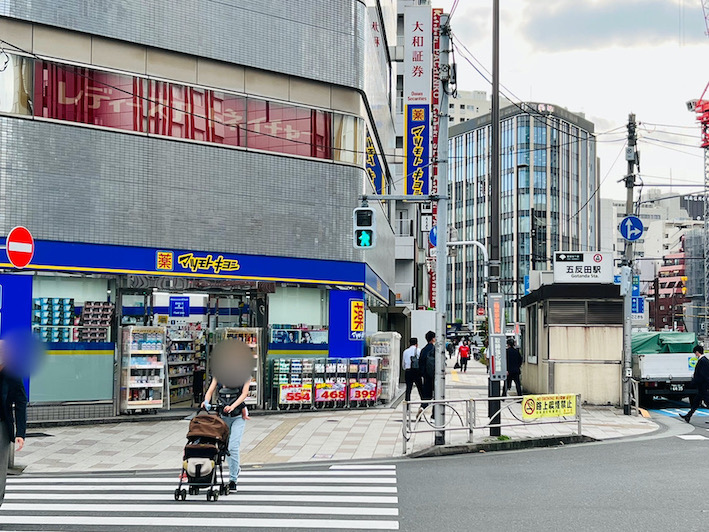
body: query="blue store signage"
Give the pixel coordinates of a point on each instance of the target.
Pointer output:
(179, 306)
(110, 259)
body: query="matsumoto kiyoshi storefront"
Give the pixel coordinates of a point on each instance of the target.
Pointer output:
(130, 329)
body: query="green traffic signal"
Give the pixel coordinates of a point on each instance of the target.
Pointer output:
(364, 238)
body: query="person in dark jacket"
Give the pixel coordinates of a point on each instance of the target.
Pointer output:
(701, 381)
(514, 367)
(13, 418)
(427, 365)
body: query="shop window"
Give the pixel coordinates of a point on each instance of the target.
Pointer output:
(16, 85)
(83, 95)
(287, 129)
(348, 139)
(74, 318)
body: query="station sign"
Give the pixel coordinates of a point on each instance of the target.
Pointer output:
(583, 267)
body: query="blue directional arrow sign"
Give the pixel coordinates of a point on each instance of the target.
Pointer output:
(433, 236)
(631, 228)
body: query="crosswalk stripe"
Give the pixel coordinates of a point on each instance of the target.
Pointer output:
(185, 507)
(334, 499)
(387, 472)
(240, 497)
(174, 480)
(270, 488)
(367, 467)
(229, 522)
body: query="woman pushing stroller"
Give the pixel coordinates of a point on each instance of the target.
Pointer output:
(231, 381)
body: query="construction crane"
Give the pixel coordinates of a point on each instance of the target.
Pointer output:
(701, 108)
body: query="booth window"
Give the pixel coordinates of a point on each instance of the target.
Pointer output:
(583, 312)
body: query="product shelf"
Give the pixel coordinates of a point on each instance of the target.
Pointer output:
(143, 364)
(183, 363)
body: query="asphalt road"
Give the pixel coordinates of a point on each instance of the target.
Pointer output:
(654, 483)
(651, 483)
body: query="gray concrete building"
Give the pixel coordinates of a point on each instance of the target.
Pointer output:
(232, 138)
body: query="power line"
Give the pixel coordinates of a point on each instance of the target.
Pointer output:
(655, 142)
(622, 149)
(537, 116)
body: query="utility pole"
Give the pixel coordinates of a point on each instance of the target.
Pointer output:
(439, 386)
(494, 281)
(627, 267)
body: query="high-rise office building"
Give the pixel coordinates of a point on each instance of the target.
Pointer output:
(549, 202)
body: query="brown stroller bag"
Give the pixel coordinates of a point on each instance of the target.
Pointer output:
(205, 425)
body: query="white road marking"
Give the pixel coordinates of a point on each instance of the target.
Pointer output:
(185, 507)
(166, 480)
(165, 489)
(229, 522)
(369, 467)
(692, 437)
(234, 497)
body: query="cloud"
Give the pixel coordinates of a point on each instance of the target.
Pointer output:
(565, 25)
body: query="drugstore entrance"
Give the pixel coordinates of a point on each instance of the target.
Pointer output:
(168, 328)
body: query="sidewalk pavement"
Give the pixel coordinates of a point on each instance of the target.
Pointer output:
(292, 437)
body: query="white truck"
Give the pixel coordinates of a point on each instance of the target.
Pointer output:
(663, 364)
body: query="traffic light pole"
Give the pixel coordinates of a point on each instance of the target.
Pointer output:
(494, 281)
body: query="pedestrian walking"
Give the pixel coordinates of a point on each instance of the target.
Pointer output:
(234, 414)
(700, 379)
(13, 418)
(464, 353)
(412, 375)
(427, 365)
(514, 367)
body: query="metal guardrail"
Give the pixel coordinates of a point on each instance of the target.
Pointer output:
(635, 396)
(461, 415)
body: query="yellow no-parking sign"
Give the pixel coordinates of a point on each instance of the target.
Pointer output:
(536, 406)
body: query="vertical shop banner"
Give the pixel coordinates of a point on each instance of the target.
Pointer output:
(417, 145)
(374, 166)
(347, 323)
(435, 128)
(417, 98)
(356, 319)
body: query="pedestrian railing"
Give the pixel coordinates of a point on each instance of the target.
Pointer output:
(463, 415)
(635, 396)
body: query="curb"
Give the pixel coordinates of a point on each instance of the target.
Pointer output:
(186, 413)
(506, 445)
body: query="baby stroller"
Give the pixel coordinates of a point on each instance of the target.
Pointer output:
(207, 440)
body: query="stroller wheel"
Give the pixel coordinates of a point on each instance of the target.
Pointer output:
(212, 495)
(177, 494)
(226, 489)
(183, 494)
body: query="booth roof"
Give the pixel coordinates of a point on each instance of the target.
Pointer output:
(572, 291)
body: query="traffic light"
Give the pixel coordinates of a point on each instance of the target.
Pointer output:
(364, 223)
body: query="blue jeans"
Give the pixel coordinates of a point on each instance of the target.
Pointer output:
(236, 431)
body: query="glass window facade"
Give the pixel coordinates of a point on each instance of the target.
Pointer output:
(547, 173)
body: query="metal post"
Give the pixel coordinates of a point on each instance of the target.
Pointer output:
(630, 156)
(439, 387)
(493, 385)
(471, 419)
(404, 426)
(578, 412)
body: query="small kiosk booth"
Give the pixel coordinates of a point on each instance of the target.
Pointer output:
(574, 330)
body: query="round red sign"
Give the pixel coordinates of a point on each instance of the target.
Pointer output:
(481, 311)
(20, 247)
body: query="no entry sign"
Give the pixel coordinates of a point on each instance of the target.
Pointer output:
(19, 246)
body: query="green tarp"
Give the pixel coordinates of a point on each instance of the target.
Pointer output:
(663, 342)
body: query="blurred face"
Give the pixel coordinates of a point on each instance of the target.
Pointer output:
(232, 363)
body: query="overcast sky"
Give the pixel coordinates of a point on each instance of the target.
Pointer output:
(605, 58)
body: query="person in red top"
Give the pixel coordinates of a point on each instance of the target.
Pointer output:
(464, 353)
